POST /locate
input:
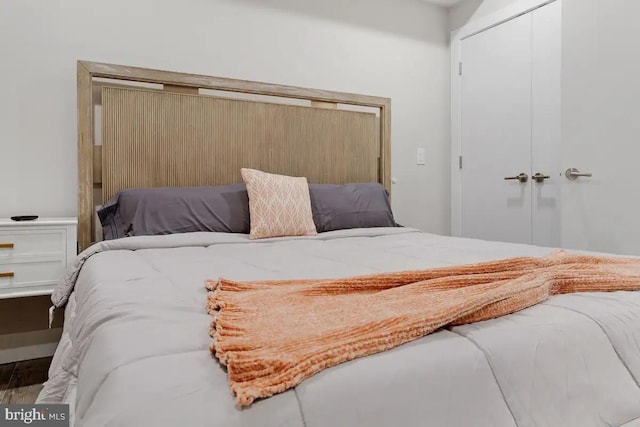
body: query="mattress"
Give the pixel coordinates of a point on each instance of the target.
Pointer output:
(136, 337)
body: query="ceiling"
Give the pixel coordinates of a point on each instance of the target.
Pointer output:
(446, 3)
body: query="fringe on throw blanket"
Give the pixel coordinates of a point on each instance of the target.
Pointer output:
(271, 335)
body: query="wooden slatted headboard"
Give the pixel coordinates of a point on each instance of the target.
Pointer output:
(174, 135)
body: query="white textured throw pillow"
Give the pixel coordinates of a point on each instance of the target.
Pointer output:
(279, 205)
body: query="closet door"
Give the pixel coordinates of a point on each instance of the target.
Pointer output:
(601, 127)
(496, 132)
(546, 126)
(511, 128)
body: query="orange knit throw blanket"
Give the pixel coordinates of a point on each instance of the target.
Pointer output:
(271, 335)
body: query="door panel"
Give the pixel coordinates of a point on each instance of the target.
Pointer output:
(601, 128)
(546, 123)
(496, 132)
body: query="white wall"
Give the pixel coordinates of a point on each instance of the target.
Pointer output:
(397, 49)
(468, 10)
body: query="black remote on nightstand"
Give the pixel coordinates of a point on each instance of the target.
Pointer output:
(24, 217)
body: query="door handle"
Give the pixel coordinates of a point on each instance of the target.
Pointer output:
(523, 177)
(538, 177)
(572, 174)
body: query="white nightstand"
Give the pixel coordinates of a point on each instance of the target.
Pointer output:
(34, 255)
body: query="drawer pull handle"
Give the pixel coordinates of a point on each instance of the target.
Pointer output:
(9, 274)
(6, 245)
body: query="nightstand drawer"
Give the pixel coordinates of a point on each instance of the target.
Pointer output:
(28, 244)
(34, 255)
(17, 275)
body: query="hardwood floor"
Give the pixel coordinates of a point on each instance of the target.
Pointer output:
(5, 377)
(21, 382)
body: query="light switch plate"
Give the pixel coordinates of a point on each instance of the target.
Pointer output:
(420, 156)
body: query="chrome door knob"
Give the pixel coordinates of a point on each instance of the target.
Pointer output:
(572, 174)
(538, 177)
(523, 177)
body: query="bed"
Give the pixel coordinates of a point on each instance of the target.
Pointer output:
(135, 346)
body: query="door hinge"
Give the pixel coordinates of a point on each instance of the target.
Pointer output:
(459, 162)
(460, 68)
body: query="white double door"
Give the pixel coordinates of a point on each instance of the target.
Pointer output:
(511, 173)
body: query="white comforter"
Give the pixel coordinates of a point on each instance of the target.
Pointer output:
(135, 345)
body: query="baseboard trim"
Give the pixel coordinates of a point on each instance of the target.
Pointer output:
(28, 345)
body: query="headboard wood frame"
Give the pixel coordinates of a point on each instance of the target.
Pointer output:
(91, 167)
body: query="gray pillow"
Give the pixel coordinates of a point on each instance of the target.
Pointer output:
(167, 210)
(337, 207)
